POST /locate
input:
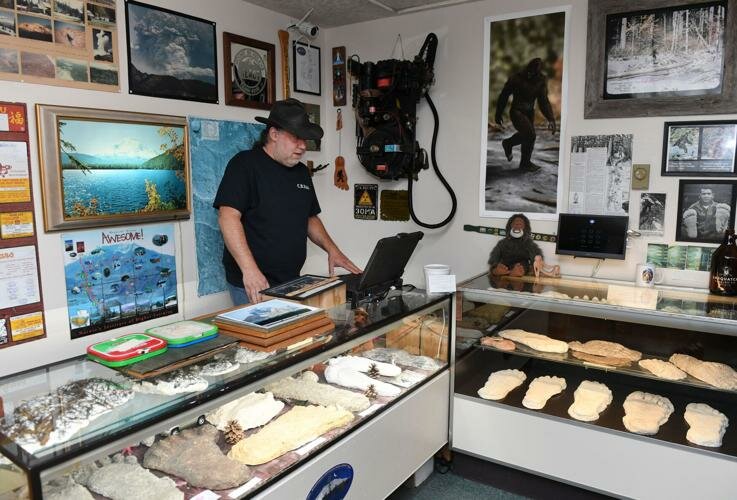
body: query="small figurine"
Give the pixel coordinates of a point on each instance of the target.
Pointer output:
(517, 254)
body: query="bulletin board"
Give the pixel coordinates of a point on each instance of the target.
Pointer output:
(21, 300)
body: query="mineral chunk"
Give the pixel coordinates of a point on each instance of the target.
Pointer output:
(252, 410)
(123, 481)
(306, 387)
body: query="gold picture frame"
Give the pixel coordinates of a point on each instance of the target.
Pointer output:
(104, 167)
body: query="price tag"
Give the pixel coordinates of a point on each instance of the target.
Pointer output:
(371, 409)
(206, 495)
(310, 446)
(237, 493)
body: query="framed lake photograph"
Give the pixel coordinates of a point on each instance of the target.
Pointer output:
(704, 148)
(170, 54)
(249, 72)
(664, 57)
(102, 168)
(306, 62)
(705, 209)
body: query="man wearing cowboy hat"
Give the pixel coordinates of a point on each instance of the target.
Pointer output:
(267, 207)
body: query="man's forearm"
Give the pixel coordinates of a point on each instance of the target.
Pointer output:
(235, 241)
(318, 235)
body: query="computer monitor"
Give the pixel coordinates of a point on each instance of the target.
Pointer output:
(596, 236)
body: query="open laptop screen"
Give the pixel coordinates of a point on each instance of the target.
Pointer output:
(389, 258)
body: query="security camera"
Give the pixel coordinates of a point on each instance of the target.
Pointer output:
(308, 29)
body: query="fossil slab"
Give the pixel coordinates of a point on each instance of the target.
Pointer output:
(601, 360)
(706, 425)
(360, 364)
(194, 455)
(662, 369)
(176, 382)
(124, 481)
(402, 357)
(716, 374)
(501, 383)
(305, 387)
(295, 428)
(644, 413)
(53, 418)
(589, 400)
(252, 410)
(606, 349)
(348, 377)
(499, 343)
(535, 341)
(65, 488)
(541, 389)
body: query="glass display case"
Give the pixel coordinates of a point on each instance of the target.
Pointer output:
(597, 360)
(234, 424)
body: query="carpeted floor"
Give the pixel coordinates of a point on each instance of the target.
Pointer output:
(453, 487)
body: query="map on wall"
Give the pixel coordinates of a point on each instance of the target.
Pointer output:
(119, 276)
(212, 144)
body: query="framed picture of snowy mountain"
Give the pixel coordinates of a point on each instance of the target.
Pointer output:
(669, 57)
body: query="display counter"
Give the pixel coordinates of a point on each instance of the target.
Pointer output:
(600, 384)
(244, 423)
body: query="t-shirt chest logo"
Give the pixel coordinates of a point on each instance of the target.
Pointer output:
(303, 186)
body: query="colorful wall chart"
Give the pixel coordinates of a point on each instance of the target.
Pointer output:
(119, 276)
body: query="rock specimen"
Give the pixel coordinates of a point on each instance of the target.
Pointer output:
(644, 413)
(348, 377)
(364, 365)
(176, 382)
(233, 432)
(402, 357)
(407, 378)
(535, 341)
(662, 369)
(600, 360)
(65, 488)
(218, 367)
(194, 455)
(541, 389)
(499, 343)
(245, 356)
(589, 400)
(252, 410)
(501, 383)
(605, 349)
(294, 429)
(123, 481)
(716, 374)
(53, 418)
(305, 387)
(706, 425)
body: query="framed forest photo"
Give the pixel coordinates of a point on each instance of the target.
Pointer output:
(666, 57)
(102, 168)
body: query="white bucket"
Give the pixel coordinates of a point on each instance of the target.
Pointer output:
(431, 269)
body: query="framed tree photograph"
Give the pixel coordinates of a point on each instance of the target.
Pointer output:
(170, 54)
(666, 57)
(705, 209)
(249, 72)
(699, 148)
(306, 66)
(102, 167)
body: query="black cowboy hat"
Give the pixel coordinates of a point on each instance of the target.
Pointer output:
(290, 114)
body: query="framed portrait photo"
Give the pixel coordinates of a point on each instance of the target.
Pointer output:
(249, 72)
(704, 148)
(705, 209)
(306, 66)
(104, 168)
(664, 57)
(170, 54)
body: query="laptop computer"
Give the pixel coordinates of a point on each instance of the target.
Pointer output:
(385, 267)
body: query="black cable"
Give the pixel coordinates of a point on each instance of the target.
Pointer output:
(453, 200)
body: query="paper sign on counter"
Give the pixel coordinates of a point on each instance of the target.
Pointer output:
(371, 409)
(438, 283)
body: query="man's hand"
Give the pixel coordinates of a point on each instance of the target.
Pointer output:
(500, 270)
(254, 281)
(338, 259)
(552, 126)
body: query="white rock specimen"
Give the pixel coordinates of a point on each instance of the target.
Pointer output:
(252, 410)
(706, 425)
(499, 343)
(176, 382)
(662, 369)
(194, 455)
(606, 349)
(218, 367)
(644, 413)
(716, 374)
(124, 481)
(589, 400)
(361, 364)
(407, 378)
(245, 356)
(501, 383)
(541, 389)
(65, 488)
(535, 341)
(294, 429)
(305, 387)
(348, 377)
(402, 357)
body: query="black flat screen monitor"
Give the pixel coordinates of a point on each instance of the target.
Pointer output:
(596, 236)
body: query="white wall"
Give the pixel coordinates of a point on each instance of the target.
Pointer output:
(457, 94)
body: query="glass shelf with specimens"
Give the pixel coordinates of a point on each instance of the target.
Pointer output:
(232, 424)
(668, 354)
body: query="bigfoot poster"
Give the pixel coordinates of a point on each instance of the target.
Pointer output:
(524, 89)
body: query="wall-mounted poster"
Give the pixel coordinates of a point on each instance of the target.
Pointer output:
(111, 167)
(70, 43)
(119, 276)
(170, 54)
(523, 119)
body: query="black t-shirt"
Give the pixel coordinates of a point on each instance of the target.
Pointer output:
(275, 203)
